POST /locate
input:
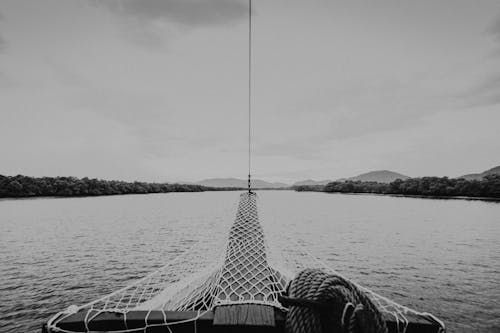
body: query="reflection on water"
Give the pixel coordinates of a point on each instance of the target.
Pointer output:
(441, 256)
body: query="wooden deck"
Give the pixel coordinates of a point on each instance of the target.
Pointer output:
(245, 317)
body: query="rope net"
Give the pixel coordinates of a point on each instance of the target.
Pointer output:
(198, 280)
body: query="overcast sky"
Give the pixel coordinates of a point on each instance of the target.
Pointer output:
(156, 90)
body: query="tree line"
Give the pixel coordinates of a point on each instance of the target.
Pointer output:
(24, 186)
(489, 186)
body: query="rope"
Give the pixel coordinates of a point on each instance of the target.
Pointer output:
(249, 90)
(321, 302)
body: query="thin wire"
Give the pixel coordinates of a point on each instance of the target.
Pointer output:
(249, 89)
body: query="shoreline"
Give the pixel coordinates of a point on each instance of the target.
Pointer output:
(415, 196)
(212, 189)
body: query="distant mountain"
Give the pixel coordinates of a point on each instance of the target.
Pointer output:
(310, 182)
(235, 182)
(380, 176)
(479, 176)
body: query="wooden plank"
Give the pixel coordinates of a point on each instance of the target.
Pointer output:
(244, 315)
(206, 323)
(416, 324)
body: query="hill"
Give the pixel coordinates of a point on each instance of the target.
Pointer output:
(479, 176)
(241, 183)
(379, 176)
(310, 182)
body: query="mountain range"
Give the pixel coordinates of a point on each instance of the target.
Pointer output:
(235, 182)
(310, 182)
(479, 176)
(380, 176)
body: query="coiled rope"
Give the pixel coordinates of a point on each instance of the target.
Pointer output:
(320, 302)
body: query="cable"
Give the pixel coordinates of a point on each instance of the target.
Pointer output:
(249, 91)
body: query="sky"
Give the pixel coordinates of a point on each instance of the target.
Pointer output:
(156, 90)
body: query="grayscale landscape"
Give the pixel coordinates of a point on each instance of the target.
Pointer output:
(249, 166)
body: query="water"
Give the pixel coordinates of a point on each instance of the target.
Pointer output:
(441, 256)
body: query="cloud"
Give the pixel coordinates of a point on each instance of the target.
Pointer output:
(485, 93)
(3, 43)
(494, 31)
(6, 81)
(300, 149)
(65, 74)
(495, 28)
(192, 13)
(490, 84)
(150, 23)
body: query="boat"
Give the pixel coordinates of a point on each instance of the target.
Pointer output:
(250, 288)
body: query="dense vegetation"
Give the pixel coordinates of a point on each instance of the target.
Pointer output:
(489, 186)
(23, 186)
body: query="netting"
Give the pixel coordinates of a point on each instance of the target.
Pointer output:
(249, 271)
(246, 276)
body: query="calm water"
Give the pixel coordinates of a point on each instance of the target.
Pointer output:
(441, 256)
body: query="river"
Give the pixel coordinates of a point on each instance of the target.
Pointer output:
(439, 256)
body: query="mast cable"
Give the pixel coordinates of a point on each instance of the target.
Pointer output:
(249, 89)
